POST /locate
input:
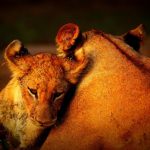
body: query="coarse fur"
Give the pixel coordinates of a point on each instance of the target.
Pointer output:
(33, 97)
(111, 106)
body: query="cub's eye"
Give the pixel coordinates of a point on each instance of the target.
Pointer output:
(57, 95)
(33, 92)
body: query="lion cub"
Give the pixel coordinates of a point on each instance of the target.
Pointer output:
(31, 100)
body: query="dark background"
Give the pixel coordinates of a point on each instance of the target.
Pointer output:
(37, 21)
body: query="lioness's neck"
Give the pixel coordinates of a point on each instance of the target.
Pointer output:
(102, 46)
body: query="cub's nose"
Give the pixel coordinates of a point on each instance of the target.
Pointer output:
(45, 114)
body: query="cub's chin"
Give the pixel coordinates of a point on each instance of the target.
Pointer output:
(44, 124)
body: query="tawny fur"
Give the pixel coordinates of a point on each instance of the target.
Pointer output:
(111, 106)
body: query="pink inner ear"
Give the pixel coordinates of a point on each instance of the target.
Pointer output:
(67, 35)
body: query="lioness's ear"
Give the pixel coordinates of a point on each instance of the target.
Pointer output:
(13, 53)
(67, 38)
(135, 37)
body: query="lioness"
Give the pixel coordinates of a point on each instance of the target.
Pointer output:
(111, 106)
(31, 100)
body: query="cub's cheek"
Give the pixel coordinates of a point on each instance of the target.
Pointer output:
(28, 100)
(57, 104)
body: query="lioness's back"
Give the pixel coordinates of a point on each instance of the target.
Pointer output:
(110, 109)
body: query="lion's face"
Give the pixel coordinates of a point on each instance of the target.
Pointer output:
(43, 88)
(44, 79)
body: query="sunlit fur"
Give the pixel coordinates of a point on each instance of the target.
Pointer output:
(111, 106)
(28, 104)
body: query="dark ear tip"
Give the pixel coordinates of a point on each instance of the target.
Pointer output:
(138, 32)
(15, 49)
(14, 44)
(135, 37)
(141, 27)
(67, 35)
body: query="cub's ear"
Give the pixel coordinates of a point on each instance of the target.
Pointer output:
(74, 70)
(14, 52)
(68, 38)
(135, 37)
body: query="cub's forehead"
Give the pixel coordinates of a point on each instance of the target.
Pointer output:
(45, 60)
(44, 64)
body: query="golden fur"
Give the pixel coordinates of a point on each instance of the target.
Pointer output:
(111, 106)
(31, 100)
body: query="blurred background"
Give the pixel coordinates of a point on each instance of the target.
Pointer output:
(35, 22)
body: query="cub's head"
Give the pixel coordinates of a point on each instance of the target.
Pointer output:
(43, 80)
